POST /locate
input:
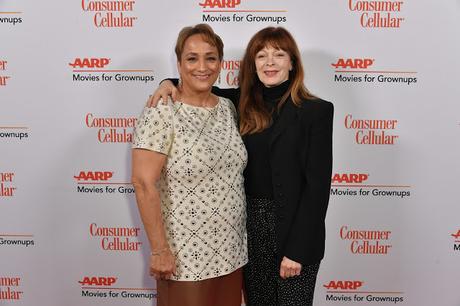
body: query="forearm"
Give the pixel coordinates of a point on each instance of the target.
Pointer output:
(149, 205)
(230, 93)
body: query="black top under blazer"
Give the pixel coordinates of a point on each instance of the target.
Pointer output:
(301, 160)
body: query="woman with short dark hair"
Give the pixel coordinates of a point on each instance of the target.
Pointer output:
(188, 161)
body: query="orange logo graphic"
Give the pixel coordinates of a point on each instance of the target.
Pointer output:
(94, 175)
(344, 285)
(90, 62)
(220, 3)
(349, 177)
(98, 281)
(353, 63)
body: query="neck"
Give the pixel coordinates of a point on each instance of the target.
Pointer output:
(194, 97)
(275, 92)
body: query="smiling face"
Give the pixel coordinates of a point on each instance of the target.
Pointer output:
(199, 65)
(272, 66)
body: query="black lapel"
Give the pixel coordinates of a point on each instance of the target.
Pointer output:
(288, 116)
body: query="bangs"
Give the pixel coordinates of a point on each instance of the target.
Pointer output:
(273, 39)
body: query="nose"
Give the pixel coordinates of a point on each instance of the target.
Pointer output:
(269, 61)
(202, 64)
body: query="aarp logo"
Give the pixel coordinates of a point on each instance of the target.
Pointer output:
(220, 3)
(353, 63)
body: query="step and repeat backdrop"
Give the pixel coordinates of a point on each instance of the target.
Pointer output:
(75, 74)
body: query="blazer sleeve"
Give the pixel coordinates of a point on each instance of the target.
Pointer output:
(230, 93)
(306, 238)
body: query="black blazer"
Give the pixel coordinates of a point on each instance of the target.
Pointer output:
(301, 160)
(301, 165)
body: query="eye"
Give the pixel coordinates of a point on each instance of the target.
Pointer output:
(190, 59)
(260, 55)
(212, 58)
(280, 54)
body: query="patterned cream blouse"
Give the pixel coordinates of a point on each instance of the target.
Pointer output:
(201, 186)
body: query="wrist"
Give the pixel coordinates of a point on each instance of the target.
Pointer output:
(158, 252)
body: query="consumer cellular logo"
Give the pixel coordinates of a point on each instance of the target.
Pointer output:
(372, 131)
(108, 287)
(116, 238)
(229, 73)
(4, 77)
(377, 14)
(358, 184)
(237, 11)
(356, 291)
(111, 14)
(367, 242)
(100, 69)
(10, 288)
(363, 70)
(7, 186)
(111, 129)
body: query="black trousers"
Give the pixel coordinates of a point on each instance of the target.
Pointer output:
(264, 286)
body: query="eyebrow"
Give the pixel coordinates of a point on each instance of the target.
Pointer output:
(207, 53)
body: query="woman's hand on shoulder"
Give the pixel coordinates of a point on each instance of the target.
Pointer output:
(165, 90)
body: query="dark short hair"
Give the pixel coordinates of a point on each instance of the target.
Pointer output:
(206, 32)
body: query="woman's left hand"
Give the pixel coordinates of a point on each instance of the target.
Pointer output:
(289, 268)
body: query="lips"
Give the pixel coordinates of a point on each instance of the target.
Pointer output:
(270, 73)
(201, 76)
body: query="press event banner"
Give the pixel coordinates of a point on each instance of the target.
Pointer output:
(75, 75)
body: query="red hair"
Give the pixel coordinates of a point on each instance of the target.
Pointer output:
(254, 116)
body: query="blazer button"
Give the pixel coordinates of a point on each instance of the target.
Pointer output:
(280, 194)
(277, 173)
(278, 185)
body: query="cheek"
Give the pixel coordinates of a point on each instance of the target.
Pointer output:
(216, 67)
(259, 67)
(260, 75)
(287, 67)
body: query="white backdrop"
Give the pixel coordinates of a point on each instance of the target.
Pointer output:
(74, 76)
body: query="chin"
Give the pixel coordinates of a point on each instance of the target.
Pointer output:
(271, 83)
(202, 87)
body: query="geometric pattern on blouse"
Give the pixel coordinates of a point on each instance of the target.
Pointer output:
(201, 185)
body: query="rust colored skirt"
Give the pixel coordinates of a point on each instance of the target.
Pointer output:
(219, 291)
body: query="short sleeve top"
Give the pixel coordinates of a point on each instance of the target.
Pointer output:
(201, 185)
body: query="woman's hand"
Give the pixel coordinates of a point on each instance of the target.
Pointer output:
(162, 265)
(165, 89)
(289, 268)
